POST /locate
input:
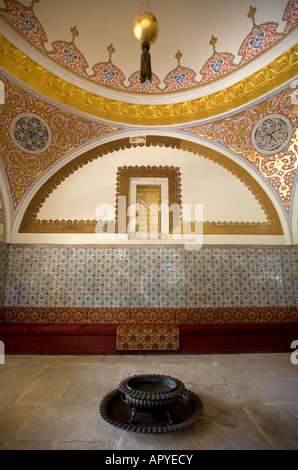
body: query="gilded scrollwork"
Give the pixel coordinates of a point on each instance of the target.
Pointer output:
(32, 141)
(273, 75)
(274, 130)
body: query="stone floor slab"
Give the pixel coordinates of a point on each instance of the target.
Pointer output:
(250, 401)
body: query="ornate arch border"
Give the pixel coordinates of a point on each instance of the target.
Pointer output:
(30, 223)
(274, 74)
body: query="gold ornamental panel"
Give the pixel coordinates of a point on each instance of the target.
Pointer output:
(271, 76)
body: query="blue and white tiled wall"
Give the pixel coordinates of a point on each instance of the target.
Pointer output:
(4, 259)
(150, 277)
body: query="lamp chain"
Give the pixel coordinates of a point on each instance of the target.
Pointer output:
(148, 6)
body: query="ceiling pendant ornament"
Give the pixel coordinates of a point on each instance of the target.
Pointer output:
(145, 29)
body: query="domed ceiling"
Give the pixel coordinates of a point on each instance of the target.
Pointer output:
(223, 81)
(199, 43)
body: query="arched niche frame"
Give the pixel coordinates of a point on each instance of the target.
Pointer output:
(295, 215)
(6, 208)
(31, 224)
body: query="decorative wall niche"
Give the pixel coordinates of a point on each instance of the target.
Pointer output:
(271, 226)
(168, 178)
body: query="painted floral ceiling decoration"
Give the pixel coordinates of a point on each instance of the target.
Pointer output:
(68, 54)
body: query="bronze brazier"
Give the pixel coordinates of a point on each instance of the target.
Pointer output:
(151, 404)
(151, 393)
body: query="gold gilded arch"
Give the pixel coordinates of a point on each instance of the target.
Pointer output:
(256, 85)
(31, 224)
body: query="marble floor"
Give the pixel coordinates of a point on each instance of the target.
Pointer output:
(52, 402)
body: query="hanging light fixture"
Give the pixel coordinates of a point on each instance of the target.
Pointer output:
(145, 26)
(145, 29)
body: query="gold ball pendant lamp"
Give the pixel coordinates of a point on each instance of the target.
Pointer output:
(145, 27)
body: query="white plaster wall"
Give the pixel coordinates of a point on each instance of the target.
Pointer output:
(223, 196)
(187, 242)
